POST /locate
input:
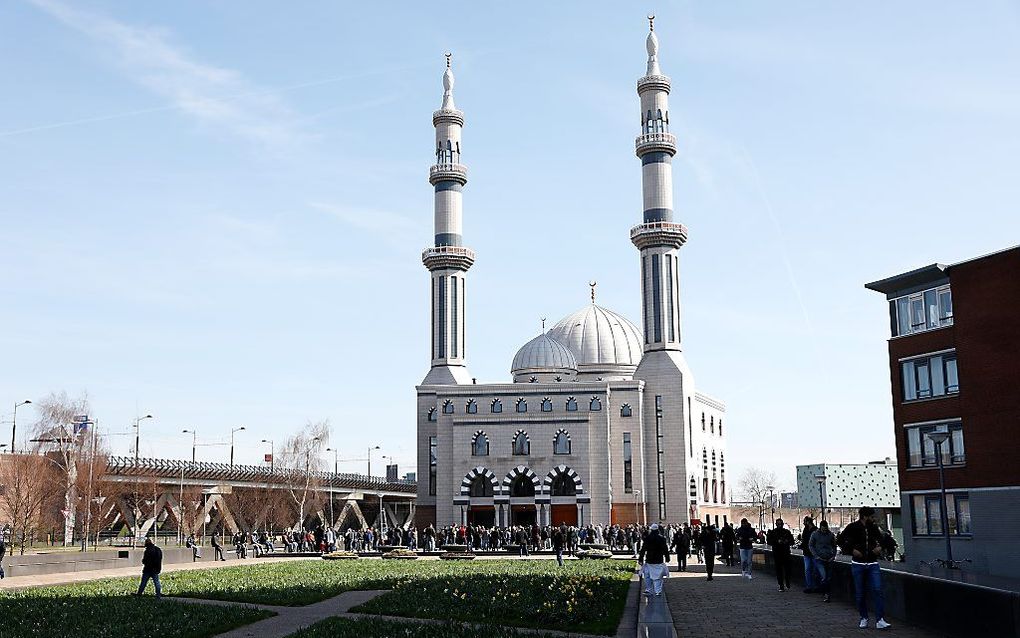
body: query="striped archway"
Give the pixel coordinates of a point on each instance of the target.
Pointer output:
(520, 470)
(571, 474)
(469, 478)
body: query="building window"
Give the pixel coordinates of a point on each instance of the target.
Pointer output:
(496, 407)
(628, 465)
(702, 421)
(432, 466)
(546, 405)
(571, 404)
(522, 405)
(595, 405)
(471, 407)
(711, 424)
(561, 444)
(921, 450)
(921, 311)
(563, 485)
(927, 514)
(448, 407)
(522, 486)
(522, 445)
(481, 486)
(930, 376)
(480, 444)
(720, 427)
(432, 413)
(625, 410)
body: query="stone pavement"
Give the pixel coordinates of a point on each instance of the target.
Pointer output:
(66, 578)
(731, 607)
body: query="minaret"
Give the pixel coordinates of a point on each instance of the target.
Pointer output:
(669, 385)
(448, 261)
(658, 237)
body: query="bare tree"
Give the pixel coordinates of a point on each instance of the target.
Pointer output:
(300, 460)
(61, 431)
(26, 485)
(756, 483)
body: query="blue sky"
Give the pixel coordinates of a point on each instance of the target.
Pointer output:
(214, 211)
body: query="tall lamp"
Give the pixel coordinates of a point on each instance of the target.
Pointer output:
(232, 432)
(938, 438)
(821, 492)
(14, 422)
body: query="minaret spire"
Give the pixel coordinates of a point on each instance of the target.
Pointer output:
(658, 237)
(448, 261)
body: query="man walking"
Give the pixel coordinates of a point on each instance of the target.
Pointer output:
(706, 542)
(745, 542)
(682, 547)
(809, 561)
(217, 549)
(654, 558)
(823, 548)
(781, 541)
(862, 540)
(727, 535)
(152, 565)
(558, 539)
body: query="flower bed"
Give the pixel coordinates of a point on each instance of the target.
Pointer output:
(104, 608)
(581, 596)
(402, 553)
(457, 556)
(362, 627)
(341, 555)
(594, 553)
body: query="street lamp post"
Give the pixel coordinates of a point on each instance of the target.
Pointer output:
(232, 432)
(821, 492)
(194, 442)
(772, 503)
(637, 500)
(137, 432)
(336, 466)
(14, 422)
(938, 438)
(370, 459)
(272, 454)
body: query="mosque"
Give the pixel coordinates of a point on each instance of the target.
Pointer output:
(601, 422)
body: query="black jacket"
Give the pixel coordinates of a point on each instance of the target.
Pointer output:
(654, 550)
(152, 560)
(681, 541)
(727, 536)
(780, 539)
(805, 538)
(746, 536)
(708, 537)
(862, 538)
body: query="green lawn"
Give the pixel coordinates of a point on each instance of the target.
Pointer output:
(363, 628)
(105, 608)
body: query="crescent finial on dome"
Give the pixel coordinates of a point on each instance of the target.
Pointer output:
(652, 46)
(448, 81)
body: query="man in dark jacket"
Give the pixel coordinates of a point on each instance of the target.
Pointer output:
(781, 541)
(654, 558)
(152, 565)
(707, 540)
(862, 540)
(810, 584)
(682, 547)
(728, 536)
(559, 538)
(746, 537)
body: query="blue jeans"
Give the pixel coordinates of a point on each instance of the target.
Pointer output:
(155, 581)
(868, 577)
(745, 561)
(824, 572)
(809, 573)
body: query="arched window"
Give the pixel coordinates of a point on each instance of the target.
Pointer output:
(522, 405)
(702, 421)
(561, 443)
(722, 488)
(448, 407)
(471, 407)
(481, 486)
(720, 427)
(449, 152)
(496, 407)
(456, 158)
(711, 424)
(563, 485)
(546, 405)
(658, 120)
(595, 405)
(480, 444)
(693, 490)
(522, 486)
(522, 444)
(625, 410)
(648, 121)
(571, 404)
(432, 413)
(704, 487)
(715, 491)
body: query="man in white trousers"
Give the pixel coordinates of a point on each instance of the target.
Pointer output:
(654, 559)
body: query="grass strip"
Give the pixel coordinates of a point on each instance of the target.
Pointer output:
(372, 628)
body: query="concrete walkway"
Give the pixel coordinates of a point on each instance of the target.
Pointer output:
(731, 606)
(66, 578)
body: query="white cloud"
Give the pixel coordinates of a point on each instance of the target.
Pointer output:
(214, 95)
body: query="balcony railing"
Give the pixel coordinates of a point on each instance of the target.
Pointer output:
(648, 142)
(448, 172)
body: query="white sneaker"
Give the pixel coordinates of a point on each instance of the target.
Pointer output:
(864, 623)
(882, 624)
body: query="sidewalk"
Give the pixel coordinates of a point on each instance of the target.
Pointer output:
(731, 606)
(22, 582)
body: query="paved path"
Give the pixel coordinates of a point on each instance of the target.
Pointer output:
(64, 578)
(731, 607)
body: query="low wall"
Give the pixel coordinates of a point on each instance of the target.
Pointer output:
(70, 561)
(949, 607)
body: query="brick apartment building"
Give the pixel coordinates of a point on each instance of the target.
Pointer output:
(954, 362)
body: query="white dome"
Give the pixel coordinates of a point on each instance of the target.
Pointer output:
(543, 353)
(600, 338)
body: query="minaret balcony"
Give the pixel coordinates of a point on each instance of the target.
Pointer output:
(653, 83)
(448, 173)
(453, 257)
(653, 234)
(451, 116)
(653, 142)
